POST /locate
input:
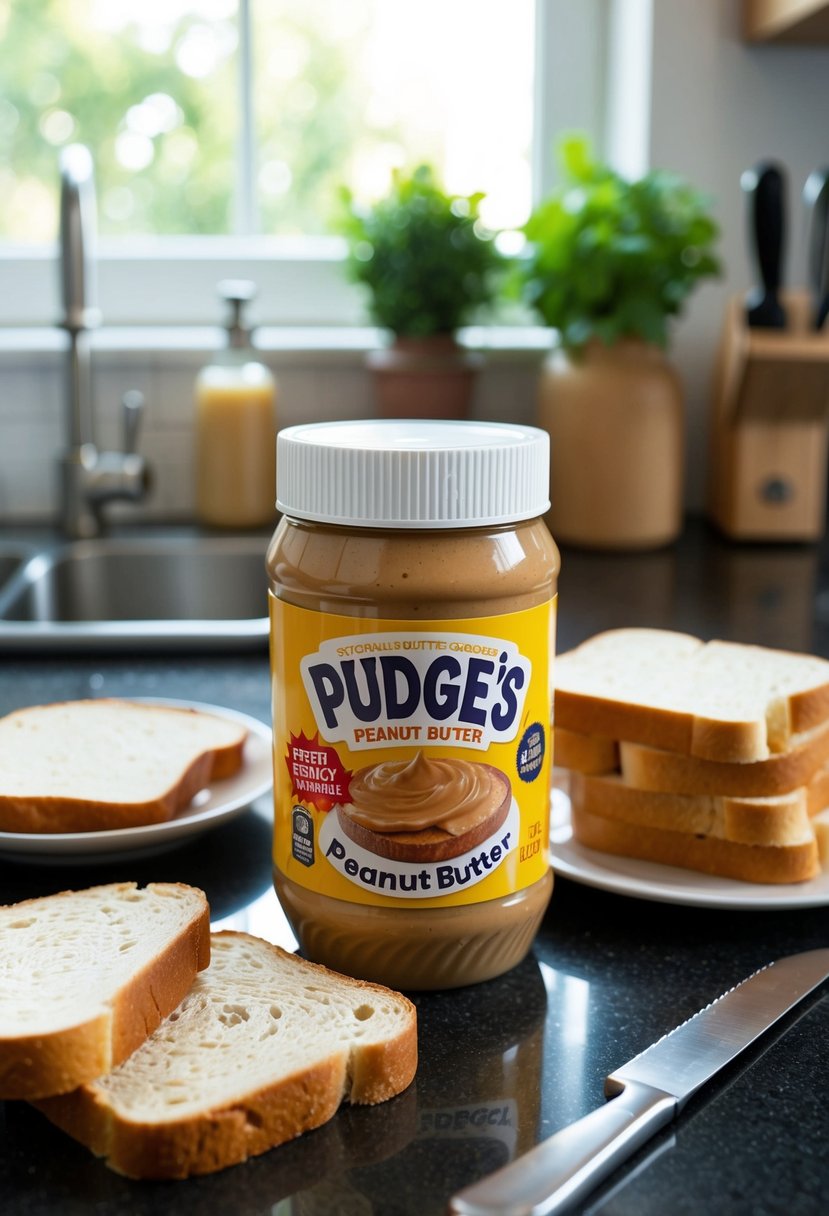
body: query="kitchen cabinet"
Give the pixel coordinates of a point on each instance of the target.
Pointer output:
(795, 21)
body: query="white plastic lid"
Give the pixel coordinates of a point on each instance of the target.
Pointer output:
(385, 473)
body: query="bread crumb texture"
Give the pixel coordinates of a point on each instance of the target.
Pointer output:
(251, 1012)
(104, 750)
(64, 957)
(264, 1047)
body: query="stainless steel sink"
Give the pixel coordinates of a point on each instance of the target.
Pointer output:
(10, 562)
(192, 592)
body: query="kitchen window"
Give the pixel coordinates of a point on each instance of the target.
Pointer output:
(222, 129)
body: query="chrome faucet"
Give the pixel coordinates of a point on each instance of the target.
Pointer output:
(89, 479)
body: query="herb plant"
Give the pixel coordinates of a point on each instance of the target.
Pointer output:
(424, 255)
(611, 258)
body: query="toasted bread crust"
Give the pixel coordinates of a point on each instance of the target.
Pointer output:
(671, 730)
(156, 991)
(33, 1066)
(808, 709)
(655, 769)
(210, 1142)
(253, 1123)
(652, 768)
(782, 821)
(47, 815)
(708, 855)
(584, 753)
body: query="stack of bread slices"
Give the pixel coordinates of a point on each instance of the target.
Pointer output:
(171, 1052)
(712, 756)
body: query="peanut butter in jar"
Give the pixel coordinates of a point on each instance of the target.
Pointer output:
(412, 596)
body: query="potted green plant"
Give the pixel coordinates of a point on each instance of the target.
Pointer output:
(429, 265)
(609, 263)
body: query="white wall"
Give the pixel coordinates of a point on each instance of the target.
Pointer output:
(717, 106)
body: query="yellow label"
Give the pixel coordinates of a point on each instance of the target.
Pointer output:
(394, 702)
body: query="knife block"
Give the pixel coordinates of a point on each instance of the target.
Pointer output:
(768, 427)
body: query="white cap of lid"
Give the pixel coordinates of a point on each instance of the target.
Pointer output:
(413, 474)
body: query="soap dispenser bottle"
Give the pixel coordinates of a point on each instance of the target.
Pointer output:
(236, 426)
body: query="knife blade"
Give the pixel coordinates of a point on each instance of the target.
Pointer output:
(764, 188)
(645, 1094)
(816, 198)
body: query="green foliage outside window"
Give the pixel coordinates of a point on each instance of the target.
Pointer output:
(164, 140)
(62, 82)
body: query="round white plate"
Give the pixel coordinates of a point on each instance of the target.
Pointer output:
(668, 884)
(211, 806)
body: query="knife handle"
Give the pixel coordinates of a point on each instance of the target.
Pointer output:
(567, 1166)
(816, 198)
(764, 187)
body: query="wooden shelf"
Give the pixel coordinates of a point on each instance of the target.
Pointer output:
(795, 21)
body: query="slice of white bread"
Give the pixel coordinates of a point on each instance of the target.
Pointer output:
(782, 820)
(86, 976)
(85, 766)
(264, 1047)
(652, 768)
(793, 863)
(721, 701)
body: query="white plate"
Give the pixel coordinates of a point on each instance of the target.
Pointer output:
(211, 806)
(668, 884)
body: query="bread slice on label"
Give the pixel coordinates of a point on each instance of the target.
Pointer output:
(86, 766)
(86, 976)
(720, 701)
(264, 1047)
(793, 863)
(429, 844)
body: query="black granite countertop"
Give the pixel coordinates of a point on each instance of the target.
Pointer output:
(506, 1063)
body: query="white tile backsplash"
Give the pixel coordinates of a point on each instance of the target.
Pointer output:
(312, 386)
(109, 383)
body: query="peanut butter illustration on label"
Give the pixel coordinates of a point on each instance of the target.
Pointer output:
(426, 808)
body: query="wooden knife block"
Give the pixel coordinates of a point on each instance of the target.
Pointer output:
(768, 433)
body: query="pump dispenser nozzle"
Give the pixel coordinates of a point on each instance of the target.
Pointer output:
(237, 293)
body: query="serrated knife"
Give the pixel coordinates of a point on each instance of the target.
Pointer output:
(645, 1094)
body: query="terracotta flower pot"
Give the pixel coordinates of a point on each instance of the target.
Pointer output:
(424, 378)
(615, 418)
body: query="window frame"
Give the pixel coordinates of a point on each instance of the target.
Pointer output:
(171, 281)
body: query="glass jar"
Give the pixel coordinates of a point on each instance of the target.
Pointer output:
(412, 594)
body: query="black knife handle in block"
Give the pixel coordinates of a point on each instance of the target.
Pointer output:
(764, 187)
